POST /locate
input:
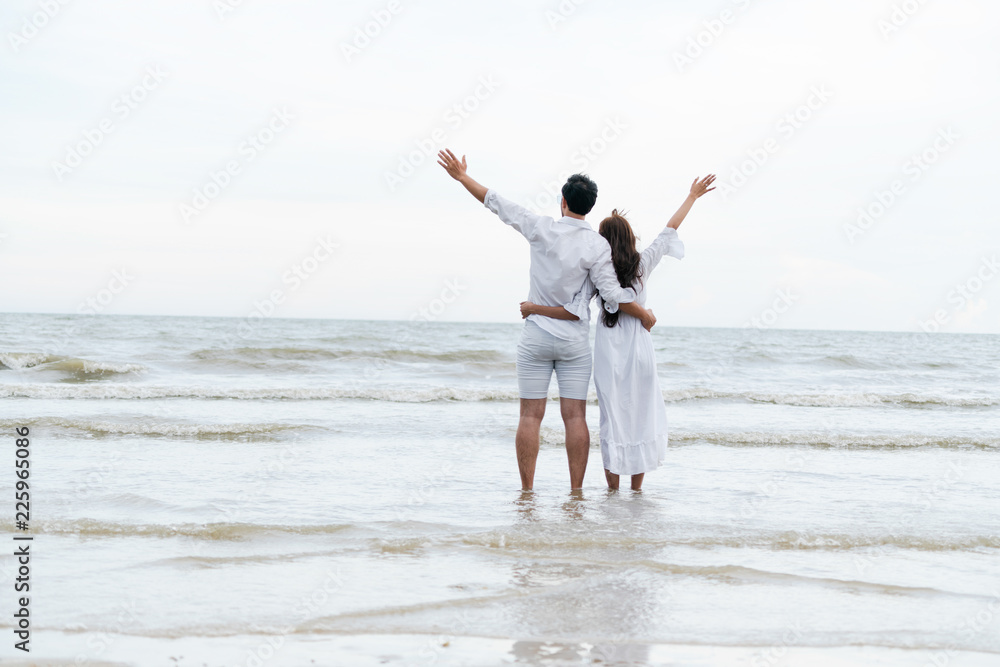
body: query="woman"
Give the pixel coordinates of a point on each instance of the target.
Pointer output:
(633, 417)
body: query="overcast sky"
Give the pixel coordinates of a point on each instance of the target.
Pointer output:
(202, 157)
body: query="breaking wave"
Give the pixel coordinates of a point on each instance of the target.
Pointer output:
(426, 395)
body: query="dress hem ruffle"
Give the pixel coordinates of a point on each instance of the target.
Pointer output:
(629, 459)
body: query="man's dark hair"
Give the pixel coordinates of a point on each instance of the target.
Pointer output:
(580, 193)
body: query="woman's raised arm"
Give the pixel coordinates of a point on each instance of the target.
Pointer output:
(698, 188)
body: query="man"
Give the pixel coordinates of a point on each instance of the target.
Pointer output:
(564, 253)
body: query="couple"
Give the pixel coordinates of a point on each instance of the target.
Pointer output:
(570, 264)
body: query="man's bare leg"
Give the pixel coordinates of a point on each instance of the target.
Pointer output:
(526, 442)
(612, 479)
(637, 481)
(574, 414)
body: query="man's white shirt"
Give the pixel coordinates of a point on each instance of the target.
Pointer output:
(564, 253)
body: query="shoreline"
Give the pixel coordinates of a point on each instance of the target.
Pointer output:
(446, 649)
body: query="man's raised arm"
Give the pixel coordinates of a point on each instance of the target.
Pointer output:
(510, 213)
(460, 172)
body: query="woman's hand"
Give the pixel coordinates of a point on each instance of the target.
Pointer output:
(527, 308)
(649, 321)
(698, 188)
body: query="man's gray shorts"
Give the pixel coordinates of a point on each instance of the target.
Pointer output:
(539, 353)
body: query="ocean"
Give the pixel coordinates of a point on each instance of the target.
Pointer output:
(309, 492)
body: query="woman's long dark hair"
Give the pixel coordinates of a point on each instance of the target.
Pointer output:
(624, 255)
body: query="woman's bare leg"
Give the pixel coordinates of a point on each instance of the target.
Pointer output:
(612, 479)
(637, 481)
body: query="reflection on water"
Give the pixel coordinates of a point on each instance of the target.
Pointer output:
(576, 504)
(628, 509)
(525, 505)
(561, 653)
(573, 567)
(631, 654)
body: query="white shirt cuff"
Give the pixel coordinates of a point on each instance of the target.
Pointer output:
(490, 200)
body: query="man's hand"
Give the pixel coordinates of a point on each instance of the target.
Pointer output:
(698, 188)
(459, 171)
(555, 312)
(633, 309)
(455, 169)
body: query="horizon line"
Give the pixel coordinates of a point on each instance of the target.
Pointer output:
(498, 322)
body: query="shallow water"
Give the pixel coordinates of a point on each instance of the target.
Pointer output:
(347, 491)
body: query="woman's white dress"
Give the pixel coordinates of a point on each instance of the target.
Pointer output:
(633, 417)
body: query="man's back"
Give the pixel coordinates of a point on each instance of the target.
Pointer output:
(564, 253)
